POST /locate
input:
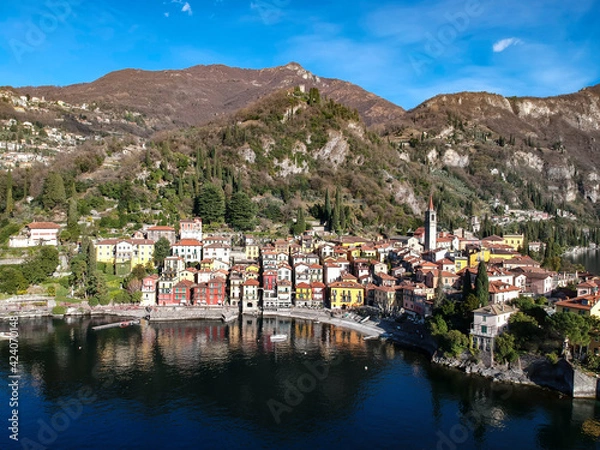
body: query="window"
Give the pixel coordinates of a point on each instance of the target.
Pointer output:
(483, 329)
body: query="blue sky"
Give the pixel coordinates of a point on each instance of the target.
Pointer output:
(404, 51)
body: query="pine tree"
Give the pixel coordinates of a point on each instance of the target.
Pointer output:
(241, 212)
(482, 289)
(210, 204)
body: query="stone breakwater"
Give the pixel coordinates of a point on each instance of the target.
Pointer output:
(497, 373)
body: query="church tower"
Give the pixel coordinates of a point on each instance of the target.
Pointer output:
(430, 227)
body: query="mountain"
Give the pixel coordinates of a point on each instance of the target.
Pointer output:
(195, 96)
(125, 140)
(555, 139)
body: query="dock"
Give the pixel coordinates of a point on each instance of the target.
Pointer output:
(124, 324)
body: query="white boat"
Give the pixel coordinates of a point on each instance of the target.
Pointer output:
(5, 335)
(370, 338)
(279, 337)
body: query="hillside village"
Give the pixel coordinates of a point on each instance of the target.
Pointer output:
(39, 129)
(402, 275)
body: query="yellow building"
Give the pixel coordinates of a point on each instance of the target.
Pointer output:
(346, 294)
(143, 251)
(514, 240)
(368, 252)
(125, 253)
(105, 251)
(353, 253)
(303, 292)
(252, 251)
(502, 253)
(475, 257)
(460, 263)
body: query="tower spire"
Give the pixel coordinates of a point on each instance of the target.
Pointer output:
(431, 202)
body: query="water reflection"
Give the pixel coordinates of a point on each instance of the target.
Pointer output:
(323, 387)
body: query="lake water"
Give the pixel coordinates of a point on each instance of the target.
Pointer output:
(590, 259)
(210, 385)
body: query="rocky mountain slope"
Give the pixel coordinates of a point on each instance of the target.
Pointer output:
(197, 95)
(477, 153)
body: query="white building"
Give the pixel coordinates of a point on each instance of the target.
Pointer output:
(36, 233)
(222, 252)
(188, 249)
(191, 229)
(488, 323)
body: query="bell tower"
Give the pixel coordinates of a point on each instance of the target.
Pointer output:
(430, 226)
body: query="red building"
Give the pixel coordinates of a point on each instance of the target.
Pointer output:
(182, 292)
(210, 293)
(269, 280)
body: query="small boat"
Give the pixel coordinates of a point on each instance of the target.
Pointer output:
(370, 338)
(129, 323)
(5, 335)
(279, 337)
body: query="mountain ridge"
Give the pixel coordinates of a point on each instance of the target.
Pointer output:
(198, 94)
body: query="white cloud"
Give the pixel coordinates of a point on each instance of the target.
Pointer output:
(187, 8)
(503, 44)
(166, 14)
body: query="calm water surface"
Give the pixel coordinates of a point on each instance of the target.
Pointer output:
(590, 259)
(210, 385)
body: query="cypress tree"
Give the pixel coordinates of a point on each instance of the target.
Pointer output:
(327, 208)
(467, 288)
(9, 196)
(482, 289)
(54, 191)
(300, 225)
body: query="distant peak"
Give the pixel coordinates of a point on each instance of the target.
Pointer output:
(293, 66)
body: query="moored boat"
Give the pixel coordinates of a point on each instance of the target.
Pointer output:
(279, 337)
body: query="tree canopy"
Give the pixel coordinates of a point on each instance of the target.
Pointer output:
(241, 212)
(210, 204)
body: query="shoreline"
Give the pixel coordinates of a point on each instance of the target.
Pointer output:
(407, 335)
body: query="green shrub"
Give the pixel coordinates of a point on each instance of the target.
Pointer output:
(59, 310)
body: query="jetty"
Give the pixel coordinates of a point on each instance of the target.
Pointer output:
(124, 324)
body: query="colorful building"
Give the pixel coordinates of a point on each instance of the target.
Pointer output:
(346, 294)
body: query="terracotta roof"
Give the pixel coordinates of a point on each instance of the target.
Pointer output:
(498, 287)
(346, 284)
(578, 302)
(302, 285)
(161, 228)
(251, 282)
(317, 284)
(188, 243)
(43, 226)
